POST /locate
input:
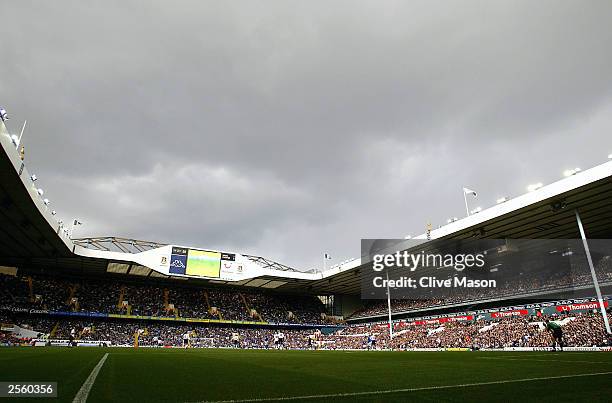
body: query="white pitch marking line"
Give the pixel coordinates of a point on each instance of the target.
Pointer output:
(83, 393)
(540, 360)
(389, 391)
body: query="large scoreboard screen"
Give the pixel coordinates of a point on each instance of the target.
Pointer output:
(203, 263)
(194, 262)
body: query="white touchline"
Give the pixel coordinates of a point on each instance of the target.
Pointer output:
(82, 394)
(540, 360)
(389, 391)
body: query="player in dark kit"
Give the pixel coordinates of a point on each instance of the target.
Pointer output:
(557, 334)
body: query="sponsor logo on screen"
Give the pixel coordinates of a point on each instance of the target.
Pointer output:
(228, 256)
(178, 264)
(179, 251)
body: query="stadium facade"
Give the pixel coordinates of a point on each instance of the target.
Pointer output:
(34, 243)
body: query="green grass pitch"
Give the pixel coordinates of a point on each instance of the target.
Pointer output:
(150, 375)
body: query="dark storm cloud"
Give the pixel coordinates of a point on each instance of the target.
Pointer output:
(291, 128)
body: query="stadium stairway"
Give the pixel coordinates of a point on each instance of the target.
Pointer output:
(31, 288)
(251, 312)
(54, 330)
(72, 291)
(121, 297)
(207, 300)
(244, 301)
(166, 299)
(212, 310)
(72, 301)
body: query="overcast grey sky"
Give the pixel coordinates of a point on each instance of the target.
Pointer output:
(287, 128)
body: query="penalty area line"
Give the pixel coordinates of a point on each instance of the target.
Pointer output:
(404, 390)
(83, 393)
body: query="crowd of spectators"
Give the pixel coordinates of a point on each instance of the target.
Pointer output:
(230, 304)
(191, 302)
(113, 297)
(522, 283)
(97, 296)
(580, 329)
(150, 333)
(51, 294)
(41, 325)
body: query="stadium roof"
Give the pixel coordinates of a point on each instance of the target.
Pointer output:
(126, 245)
(30, 235)
(546, 213)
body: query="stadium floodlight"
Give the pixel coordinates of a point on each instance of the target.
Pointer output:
(610, 156)
(53, 212)
(17, 139)
(466, 192)
(75, 223)
(501, 200)
(452, 219)
(534, 186)
(476, 210)
(46, 201)
(326, 257)
(571, 172)
(408, 237)
(34, 178)
(40, 191)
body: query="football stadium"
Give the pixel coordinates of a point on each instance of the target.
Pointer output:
(120, 319)
(216, 154)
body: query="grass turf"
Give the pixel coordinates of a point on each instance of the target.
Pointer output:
(211, 375)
